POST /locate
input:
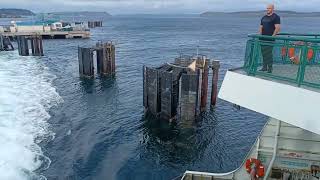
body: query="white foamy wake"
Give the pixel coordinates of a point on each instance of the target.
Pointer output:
(26, 94)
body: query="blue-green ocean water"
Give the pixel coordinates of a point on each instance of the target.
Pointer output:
(55, 125)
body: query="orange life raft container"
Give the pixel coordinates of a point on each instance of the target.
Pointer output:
(257, 164)
(292, 54)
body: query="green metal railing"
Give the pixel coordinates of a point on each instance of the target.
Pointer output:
(295, 57)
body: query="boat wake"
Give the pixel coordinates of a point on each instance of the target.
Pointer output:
(26, 95)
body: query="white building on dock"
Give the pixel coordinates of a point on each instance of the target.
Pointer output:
(47, 29)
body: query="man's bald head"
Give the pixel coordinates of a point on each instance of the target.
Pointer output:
(270, 9)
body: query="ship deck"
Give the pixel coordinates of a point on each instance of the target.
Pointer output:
(287, 74)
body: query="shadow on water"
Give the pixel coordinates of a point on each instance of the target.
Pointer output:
(164, 145)
(210, 144)
(176, 142)
(99, 83)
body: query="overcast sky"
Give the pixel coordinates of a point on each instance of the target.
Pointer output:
(158, 6)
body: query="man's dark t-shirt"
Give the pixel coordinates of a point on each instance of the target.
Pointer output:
(268, 23)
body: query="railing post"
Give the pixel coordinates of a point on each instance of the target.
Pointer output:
(302, 65)
(286, 46)
(253, 63)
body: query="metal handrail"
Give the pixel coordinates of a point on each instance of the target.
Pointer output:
(279, 37)
(299, 34)
(283, 43)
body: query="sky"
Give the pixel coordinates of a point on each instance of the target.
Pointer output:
(158, 6)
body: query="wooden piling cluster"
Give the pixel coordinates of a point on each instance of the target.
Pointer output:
(5, 44)
(178, 90)
(105, 58)
(35, 44)
(94, 24)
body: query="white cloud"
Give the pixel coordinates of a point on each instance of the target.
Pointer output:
(159, 6)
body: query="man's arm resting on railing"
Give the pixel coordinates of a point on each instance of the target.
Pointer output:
(277, 30)
(260, 29)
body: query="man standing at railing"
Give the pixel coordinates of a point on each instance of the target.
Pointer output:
(269, 26)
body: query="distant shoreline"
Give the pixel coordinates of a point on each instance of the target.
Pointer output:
(259, 13)
(9, 16)
(20, 13)
(75, 13)
(15, 13)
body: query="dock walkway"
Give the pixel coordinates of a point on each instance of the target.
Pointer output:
(51, 34)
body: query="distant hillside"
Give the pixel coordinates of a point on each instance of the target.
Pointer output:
(15, 13)
(260, 13)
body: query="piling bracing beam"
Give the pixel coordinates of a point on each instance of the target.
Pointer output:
(215, 76)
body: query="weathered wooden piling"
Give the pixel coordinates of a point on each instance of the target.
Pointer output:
(98, 23)
(90, 24)
(1, 43)
(166, 92)
(36, 46)
(101, 60)
(189, 103)
(93, 24)
(105, 56)
(215, 76)
(152, 91)
(23, 47)
(85, 56)
(111, 53)
(7, 45)
(204, 88)
(35, 42)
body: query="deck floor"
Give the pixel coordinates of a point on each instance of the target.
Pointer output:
(290, 71)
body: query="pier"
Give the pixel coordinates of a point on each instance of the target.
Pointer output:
(46, 29)
(178, 90)
(105, 58)
(50, 35)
